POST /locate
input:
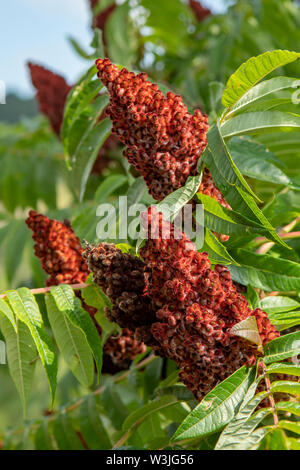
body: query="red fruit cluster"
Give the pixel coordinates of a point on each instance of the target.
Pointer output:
(101, 18)
(52, 92)
(122, 278)
(164, 141)
(197, 307)
(59, 250)
(178, 305)
(200, 11)
(125, 347)
(60, 253)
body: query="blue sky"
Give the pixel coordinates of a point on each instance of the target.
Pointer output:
(37, 30)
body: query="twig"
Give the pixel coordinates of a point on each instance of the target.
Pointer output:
(266, 246)
(270, 396)
(34, 360)
(44, 290)
(284, 234)
(123, 439)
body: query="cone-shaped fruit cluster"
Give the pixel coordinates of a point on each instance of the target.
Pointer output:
(197, 307)
(60, 252)
(164, 141)
(101, 18)
(122, 278)
(52, 91)
(178, 305)
(200, 11)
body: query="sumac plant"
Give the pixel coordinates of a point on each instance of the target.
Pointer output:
(147, 339)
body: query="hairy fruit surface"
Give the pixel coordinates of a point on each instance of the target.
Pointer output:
(177, 304)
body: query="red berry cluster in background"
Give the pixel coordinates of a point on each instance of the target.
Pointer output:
(52, 91)
(60, 252)
(101, 18)
(200, 11)
(164, 141)
(178, 305)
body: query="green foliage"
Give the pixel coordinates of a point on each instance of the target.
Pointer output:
(30, 165)
(217, 408)
(50, 333)
(252, 71)
(27, 311)
(21, 355)
(72, 343)
(92, 427)
(67, 303)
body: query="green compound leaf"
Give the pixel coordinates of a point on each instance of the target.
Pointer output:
(240, 200)
(42, 437)
(238, 435)
(255, 161)
(65, 434)
(285, 320)
(264, 271)
(179, 198)
(277, 304)
(78, 99)
(289, 407)
(290, 426)
(71, 342)
(284, 368)
(259, 92)
(216, 250)
(92, 427)
(218, 408)
(27, 310)
(224, 161)
(259, 121)
(254, 70)
(226, 221)
(70, 305)
(8, 313)
(87, 154)
(285, 386)
(136, 418)
(282, 348)
(21, 354)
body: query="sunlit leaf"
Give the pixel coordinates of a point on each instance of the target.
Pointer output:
(254, 70)
(218, 407)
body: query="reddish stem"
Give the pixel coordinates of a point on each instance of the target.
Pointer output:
(44, 290)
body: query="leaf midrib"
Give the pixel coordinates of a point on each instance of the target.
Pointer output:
(214, 409)
(66, 321)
